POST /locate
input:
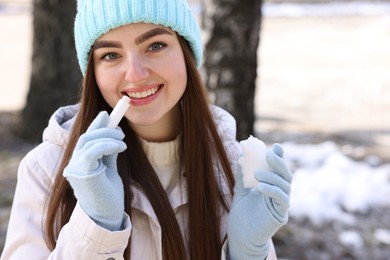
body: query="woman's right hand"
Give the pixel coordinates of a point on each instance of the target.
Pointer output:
(92, 173)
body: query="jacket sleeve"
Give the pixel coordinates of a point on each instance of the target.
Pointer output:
(80, 238)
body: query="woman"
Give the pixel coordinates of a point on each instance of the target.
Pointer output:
(159, 186)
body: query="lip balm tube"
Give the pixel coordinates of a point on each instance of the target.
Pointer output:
(119, 111)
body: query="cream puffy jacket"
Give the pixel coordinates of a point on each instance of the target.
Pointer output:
(81, 238)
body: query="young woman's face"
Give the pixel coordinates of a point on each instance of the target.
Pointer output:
(145, 62)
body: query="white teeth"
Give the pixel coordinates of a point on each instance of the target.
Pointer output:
(143, 94)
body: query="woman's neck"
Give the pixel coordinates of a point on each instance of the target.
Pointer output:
(166, 129)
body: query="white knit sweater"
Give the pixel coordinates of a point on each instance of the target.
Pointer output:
(165, 159)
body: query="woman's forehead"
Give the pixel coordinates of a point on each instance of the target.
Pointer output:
(135, 29)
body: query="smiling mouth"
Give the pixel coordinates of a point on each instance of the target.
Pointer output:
(143, 94)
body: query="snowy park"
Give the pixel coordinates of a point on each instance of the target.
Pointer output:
(323, 93)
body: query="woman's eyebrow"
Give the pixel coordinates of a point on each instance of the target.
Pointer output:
(106, 44)
(149, 34)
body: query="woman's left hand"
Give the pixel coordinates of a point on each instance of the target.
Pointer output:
(258, 213)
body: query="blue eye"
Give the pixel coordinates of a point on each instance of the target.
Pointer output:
(110, 56)
(156, 46)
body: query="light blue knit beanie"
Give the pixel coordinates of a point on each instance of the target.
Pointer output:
(96, 17)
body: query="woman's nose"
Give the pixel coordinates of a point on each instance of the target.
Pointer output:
(136, 69)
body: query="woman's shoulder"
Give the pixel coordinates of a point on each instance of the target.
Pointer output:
(226, 125)
(60, 125)
(41, 162)
(44, 159)
(225, 122)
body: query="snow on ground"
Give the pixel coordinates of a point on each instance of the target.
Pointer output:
(328, 185)
(361, 8)
(293, 10)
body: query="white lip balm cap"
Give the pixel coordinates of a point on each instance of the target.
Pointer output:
(119, 111)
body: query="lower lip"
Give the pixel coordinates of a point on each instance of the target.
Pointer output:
(146, 100)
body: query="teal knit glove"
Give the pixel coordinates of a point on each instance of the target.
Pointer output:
(93, 175)
(257, 214)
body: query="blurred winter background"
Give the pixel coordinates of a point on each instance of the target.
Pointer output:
(323, 91)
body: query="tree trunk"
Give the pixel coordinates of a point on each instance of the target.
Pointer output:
(232, 29)
(55, 76)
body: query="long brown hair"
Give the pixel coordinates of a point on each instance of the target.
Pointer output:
(201, 144)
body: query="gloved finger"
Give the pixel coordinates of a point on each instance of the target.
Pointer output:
(101, 120)
(103, 147)
(275, 193)
(85, 161)
(278, 149)
(278, 211)
(278, 164)
(273, 179)
(110, 161)
(96, 134)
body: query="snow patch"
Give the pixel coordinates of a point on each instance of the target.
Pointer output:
(293, 10)
(351, 239)
(329, 186)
